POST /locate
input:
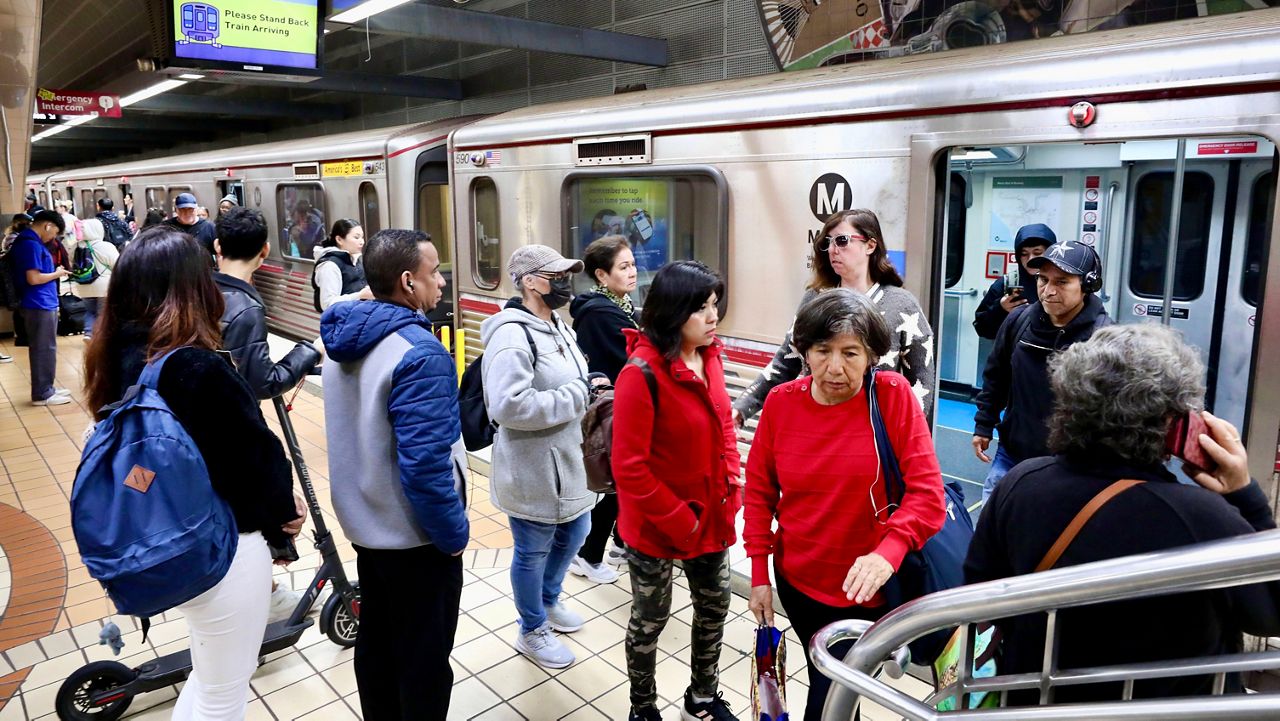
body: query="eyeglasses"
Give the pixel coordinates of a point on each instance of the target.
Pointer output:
(562, 275)
(841, 241)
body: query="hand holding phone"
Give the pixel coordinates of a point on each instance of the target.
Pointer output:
(1183, 441)
(1220, 442)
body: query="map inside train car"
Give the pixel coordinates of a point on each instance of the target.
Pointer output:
(807, 34)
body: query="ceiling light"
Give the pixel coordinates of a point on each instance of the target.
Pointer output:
(366, 9)
(160, 87)
(190, 76)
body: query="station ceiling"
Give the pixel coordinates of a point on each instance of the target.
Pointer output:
(95, 47)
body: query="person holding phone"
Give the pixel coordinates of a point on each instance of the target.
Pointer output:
(1118, 395)
(1013, 290)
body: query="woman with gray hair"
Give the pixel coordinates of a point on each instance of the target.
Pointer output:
(1118, 396)
(814, 468)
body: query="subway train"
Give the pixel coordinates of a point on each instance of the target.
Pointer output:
(1089, 134)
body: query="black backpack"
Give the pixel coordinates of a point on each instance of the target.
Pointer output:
(10, 296)
(477, 430)
(117, 233)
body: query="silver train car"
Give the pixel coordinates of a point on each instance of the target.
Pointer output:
(390, 177)
(953, 151)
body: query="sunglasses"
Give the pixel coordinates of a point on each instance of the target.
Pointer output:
(563, 275)
(840, 241)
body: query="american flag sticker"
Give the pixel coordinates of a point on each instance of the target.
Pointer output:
(493, 157)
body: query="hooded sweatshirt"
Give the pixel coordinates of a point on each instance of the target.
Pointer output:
(990, 314)
(599, 323)
(391, 419)
(537, 473)
(1016, 378)
(104, 256)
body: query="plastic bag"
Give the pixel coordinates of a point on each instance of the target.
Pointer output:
(986, 644)
(769, 676)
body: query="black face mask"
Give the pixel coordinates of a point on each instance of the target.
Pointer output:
(561, 292)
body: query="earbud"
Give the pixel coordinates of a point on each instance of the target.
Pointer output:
(410, 285)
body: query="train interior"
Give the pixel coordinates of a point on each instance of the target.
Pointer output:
(1117, 197)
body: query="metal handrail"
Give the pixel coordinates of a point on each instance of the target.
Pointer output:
(1254, 558)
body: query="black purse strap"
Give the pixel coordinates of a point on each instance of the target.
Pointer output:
(894, 487)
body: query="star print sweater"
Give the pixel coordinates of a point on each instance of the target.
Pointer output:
(910, 351)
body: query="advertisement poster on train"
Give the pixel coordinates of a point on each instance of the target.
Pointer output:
(281, 33)
(805, 34)
(1022, 200)
(635, 209)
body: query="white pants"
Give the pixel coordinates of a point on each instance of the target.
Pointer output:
(227, 623)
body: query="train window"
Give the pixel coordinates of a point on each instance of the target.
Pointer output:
(433, 218)
(957, 214)
(488, 244)
(155, 199)
(86, 203)
(92, 210)
(174, 192)
(664, 216)
(1152, 207)
(44, 199)
(57, 195)
(300, 219)
(1255, 249)
(370, 213)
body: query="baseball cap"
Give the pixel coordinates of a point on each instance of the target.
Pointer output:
(530, 258)
(1028, 234)
(1075, 258)
(185, 200)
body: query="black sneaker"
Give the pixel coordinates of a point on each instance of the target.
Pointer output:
(644, 713)
(717, 709)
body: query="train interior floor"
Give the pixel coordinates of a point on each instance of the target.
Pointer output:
(51, 611)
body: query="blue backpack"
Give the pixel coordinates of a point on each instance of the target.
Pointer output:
(149, 525)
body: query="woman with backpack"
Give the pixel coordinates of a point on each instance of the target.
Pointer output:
(675, 462)
(536, 388)
(338, 274)
(97, 253)
(599, 317)
(162, 298)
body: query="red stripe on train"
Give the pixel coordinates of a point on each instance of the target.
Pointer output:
(748, 356)
(479, 306)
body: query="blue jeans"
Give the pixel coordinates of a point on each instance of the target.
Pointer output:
(542, 555)
(1000, 466)
(90, 315)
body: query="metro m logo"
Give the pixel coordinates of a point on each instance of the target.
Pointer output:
(830, 194)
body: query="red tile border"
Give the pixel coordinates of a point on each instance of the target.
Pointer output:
(38, 586)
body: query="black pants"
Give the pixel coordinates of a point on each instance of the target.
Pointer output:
(408, 616)
(604, 520)
(807, 618)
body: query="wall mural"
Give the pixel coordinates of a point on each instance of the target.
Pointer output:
(808, 34)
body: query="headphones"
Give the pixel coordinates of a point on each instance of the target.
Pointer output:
(1091, 281)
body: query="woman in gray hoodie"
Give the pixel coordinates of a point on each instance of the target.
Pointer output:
(536, 390)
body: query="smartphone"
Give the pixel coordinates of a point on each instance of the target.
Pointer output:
(1012, 282)
(1183, 441)
(288, 552)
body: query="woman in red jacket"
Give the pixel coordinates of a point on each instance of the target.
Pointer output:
(814, 468)
(676, 466)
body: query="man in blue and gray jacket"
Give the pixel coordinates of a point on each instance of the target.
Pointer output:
(396, 475)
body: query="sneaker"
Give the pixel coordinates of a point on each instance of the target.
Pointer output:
(5, 358)
(62, 392)
(53, 400)
(617, 555)
(594, 572)
(564, 620)
(644, 713)
(717, 709)
(283, 601)
(543, 648)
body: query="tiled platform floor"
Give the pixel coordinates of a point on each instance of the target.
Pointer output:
(39, 450)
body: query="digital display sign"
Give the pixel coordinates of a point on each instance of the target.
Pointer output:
(260, 35)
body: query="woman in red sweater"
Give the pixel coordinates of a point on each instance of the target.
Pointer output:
(814, 468)
(676, 466)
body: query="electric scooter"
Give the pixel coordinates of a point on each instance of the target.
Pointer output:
(103, 690)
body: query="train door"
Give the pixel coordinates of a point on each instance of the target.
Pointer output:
(431, 209)
(1116, 197)
(232, 187)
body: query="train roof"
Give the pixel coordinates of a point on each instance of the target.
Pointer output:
(1218, 50)
(343, 146)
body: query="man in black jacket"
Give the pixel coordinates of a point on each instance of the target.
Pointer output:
(117, 232)
(1015, 380)
(1030, 242)
(185, 219)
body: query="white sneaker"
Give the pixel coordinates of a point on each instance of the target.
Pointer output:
(53, 400)
(62, 392)
(5, 358)
(283, 601)
(544, 649)
(594, 572)
(564, 620)
(617, 555)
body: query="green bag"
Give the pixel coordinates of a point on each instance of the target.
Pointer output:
(986, 643)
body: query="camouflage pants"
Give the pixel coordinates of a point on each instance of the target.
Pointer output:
(651, 607)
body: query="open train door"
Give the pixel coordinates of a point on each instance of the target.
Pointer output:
(431, 209)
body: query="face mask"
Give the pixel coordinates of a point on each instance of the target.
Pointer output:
(560, 294)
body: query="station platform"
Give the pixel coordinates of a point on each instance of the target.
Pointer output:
(51, 610)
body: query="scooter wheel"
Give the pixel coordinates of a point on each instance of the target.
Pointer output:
(340, 622)
(72, 703)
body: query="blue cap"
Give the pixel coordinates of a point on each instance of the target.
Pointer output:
(1028, 234)
(185, 200)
